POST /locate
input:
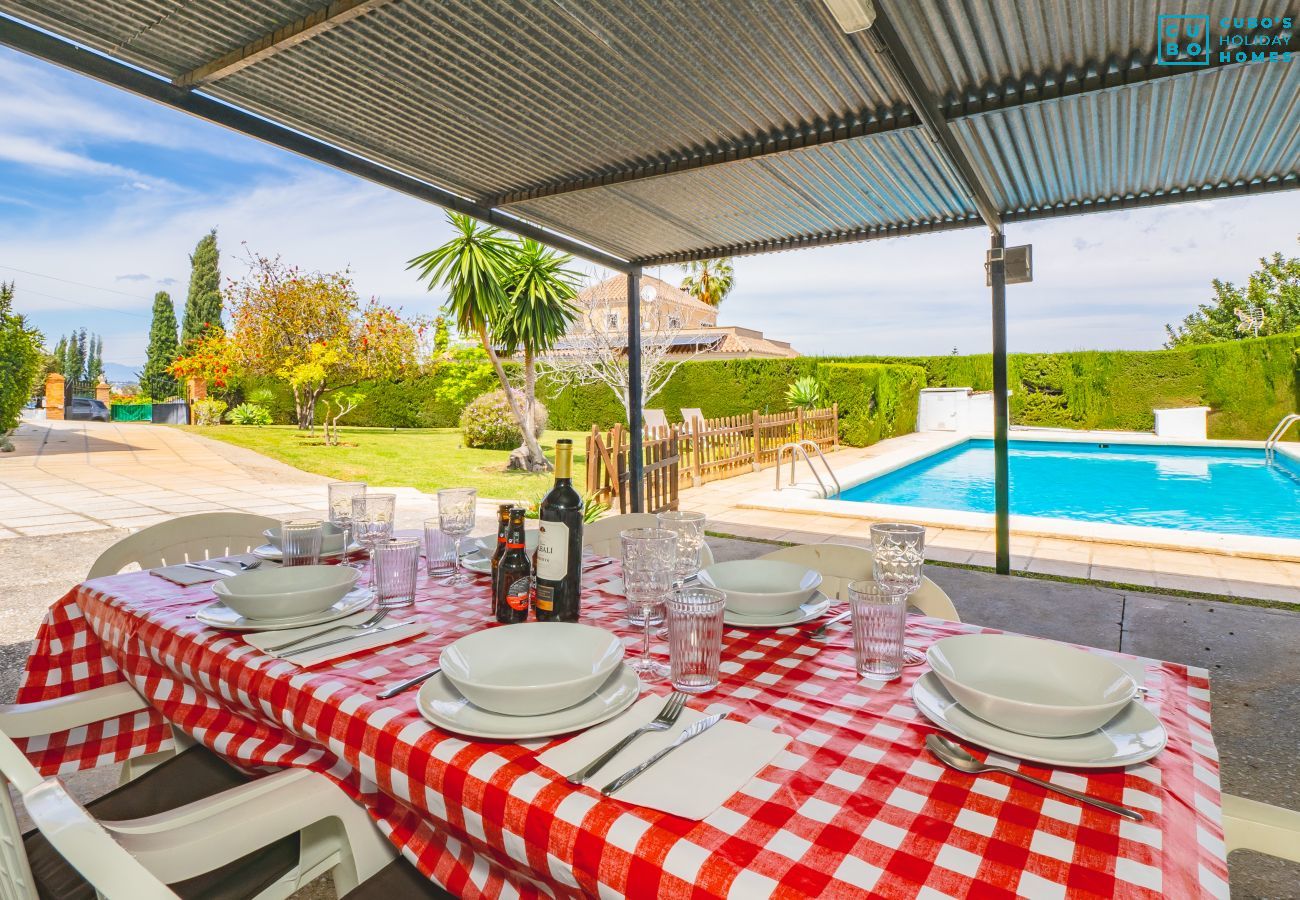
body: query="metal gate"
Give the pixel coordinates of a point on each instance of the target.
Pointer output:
(74, 390)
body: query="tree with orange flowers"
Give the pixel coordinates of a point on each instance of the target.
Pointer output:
(313, 330)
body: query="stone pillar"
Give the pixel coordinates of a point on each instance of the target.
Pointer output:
(54, 396)
(103, 393)
(198, 389)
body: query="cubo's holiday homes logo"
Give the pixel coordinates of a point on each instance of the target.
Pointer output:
(1186, 40)
(1194, 40)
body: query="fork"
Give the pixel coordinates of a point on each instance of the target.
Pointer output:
(360, 626)
(666, 719)
(244, 566)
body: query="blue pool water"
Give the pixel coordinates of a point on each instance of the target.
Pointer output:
(1225, 490)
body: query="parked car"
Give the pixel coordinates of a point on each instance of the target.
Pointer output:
(82, 408)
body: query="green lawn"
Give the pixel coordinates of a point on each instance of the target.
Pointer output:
(423, 458)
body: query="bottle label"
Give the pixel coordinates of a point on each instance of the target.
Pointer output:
(553, 551)
(517, 594)
(544, 597)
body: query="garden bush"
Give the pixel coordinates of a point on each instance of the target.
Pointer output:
(875, 401)
(208, 411)
(488, 424)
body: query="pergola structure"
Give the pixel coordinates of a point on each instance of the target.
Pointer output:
(635, 134)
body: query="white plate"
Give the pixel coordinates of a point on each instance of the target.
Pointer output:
(1133, 736)
(268, 552)
(440, 703)
(218, 615)
(481, 565)
(806, 613)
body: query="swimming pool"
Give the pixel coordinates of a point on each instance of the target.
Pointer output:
(1214, 489)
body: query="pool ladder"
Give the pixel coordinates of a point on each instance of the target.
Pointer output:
(1270, 445)
(797, 447)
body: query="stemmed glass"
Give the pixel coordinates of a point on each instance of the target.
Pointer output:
(899, 552)
(456, 507)
(372, 519)
(649, 561)
(341, 495)
(689, 528)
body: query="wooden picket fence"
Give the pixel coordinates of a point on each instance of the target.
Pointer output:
(699, 451)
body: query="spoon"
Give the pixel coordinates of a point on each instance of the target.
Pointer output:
(955, 757)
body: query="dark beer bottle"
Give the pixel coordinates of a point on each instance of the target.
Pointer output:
(503, 525)
(514, 574)
(559, 546)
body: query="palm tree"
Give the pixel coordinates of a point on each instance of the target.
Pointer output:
(540, 290)
(709, 280)
(474, 266)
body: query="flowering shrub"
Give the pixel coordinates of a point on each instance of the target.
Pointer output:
(488, 424)
(209, 411)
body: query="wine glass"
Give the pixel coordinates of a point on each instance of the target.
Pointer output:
(372, 519)
(456, 507)
(649, 561)
(899, 552)
(689, 528)
(341, 495)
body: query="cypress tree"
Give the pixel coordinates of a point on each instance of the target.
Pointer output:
(95, 361)
(203, 304)
(162, 349)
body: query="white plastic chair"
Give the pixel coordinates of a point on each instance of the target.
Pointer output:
(136, 858)
(185, 539)
(1251, 825)
(842, 564)
(691, 415)
(601, 536)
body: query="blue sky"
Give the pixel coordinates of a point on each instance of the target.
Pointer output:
(103, 195)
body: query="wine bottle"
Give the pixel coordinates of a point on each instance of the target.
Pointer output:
(559, 547)
(514, 574)
(503, 526)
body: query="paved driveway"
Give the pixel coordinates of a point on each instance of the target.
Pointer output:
(66, 477)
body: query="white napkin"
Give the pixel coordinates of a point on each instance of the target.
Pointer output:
(187, 576)
(692, 781)
(268, 641)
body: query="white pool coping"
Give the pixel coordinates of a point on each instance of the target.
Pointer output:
(1284, 549)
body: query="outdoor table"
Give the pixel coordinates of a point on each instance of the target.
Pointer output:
(853, 806)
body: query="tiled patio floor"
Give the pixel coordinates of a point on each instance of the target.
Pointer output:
(727, 505)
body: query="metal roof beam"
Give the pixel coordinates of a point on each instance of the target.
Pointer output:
(60, 52)
(888, 48)
(294, 33)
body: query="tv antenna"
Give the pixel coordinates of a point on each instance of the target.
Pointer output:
(1252, 319)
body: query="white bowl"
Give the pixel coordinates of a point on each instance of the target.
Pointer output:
(1031, 686)
(331, 538)
(762, 587)
(532, 668)
(284, 593)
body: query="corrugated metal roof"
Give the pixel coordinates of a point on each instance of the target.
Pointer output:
(694, 128)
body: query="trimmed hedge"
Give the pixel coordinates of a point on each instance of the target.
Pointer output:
(1250, 384)
(876, 401)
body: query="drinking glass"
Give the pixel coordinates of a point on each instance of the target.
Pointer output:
(300, 542)
(689, 528)
(649, 558)
(879, 618)
(395, 564)
(695, 638)
(899, 552)
(372, 519)
(456, 517)
(341, 495)
(439, 550)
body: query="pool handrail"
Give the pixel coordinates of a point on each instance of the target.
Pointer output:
(798, 446)
(1270, 445)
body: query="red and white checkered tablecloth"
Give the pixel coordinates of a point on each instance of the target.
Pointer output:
(855, 806)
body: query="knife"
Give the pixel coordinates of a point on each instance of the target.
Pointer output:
(838, 617)
(350, 637)
(228, 573)
(409, 683)
(689, 734)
